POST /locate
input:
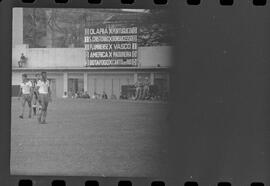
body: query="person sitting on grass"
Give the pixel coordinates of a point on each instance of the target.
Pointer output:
(113, 96)
(85, 95)
(104, 95)
(94, 96)
(73, 94)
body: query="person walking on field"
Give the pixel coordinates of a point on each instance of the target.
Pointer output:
(44, 97)
(35, 105)
(26, 94)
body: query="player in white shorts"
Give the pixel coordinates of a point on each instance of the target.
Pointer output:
(44, 97)
(26, 94)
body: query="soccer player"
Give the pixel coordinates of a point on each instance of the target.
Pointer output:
(26, 94)
(35, 105)
(44, 97)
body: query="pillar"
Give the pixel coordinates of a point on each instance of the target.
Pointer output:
(85, 81)
(17, 29)
(65, 82)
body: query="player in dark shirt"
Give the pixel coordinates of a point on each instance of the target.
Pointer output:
(35, 94)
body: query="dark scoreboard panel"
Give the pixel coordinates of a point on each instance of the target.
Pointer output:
(112, 45)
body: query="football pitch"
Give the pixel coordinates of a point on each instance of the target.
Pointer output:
(91, 138)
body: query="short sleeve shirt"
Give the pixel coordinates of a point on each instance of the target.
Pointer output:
(26, 87)
(43, 86)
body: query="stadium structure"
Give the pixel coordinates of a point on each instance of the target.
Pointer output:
(53, 40)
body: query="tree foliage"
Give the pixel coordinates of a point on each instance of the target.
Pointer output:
(62, 28)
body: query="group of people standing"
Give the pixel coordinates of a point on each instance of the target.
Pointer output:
(142, 89)
(37, 95)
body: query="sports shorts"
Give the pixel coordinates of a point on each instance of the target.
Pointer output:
(27, 98)
(43, 100)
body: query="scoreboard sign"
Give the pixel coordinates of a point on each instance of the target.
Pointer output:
(111, 46)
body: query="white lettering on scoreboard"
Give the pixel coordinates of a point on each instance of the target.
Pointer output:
(111, 46)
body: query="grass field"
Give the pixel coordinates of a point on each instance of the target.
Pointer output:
(91, 138)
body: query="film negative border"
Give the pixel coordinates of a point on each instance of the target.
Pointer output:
(66, 181)
(106, 181)
(63, 182)
(90, 3)
(156, 2)
(59, 180)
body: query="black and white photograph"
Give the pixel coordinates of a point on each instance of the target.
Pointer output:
(90, 92)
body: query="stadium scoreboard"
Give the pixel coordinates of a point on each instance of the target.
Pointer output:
(111, 46)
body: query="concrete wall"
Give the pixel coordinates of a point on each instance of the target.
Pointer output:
(75, 57)
(17, 25)
(56, 77)
(110, 83)
(16, 78)
(49, 57)
(152, 56)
